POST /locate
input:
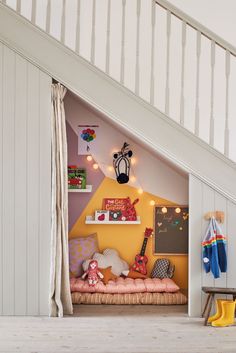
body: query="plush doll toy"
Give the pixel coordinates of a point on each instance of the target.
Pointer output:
(93, 273)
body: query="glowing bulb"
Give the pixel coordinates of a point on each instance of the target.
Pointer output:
(164, 210)
(152, 203)
(133, 179)
(133, 161)
(95, 166)
(89, 158)
(110, 168)
(178, 210)
(140, 191)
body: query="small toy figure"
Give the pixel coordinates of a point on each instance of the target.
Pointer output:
(93, 273)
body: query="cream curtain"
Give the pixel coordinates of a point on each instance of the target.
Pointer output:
(60, 297)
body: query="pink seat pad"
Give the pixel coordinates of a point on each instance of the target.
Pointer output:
(125, 285)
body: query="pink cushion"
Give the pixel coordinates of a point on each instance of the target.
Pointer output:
(171, 286)
(125, 285)
(81, 249)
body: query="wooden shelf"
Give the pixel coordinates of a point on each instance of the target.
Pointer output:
(88, 189)
(91, 220)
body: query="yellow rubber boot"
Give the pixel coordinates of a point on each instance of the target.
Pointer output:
(218, 313)
(227, 317)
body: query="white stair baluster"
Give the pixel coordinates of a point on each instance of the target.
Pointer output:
(137, 48)
(122, 66)
(152, 80)
(18, 6)
(63, 22)
(108, 37)
(182, 73)
(48, 17)
(168, 29)
(77, 40)
(92, 56)
(212, 128)
(198, 52)
(33, 12)
(227, 73)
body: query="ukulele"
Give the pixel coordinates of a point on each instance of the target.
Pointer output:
(141, 259)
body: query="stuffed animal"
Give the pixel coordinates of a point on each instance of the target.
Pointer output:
(130, 213)
(110, 257)
(93, 273)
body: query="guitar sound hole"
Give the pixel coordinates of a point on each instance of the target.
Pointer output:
(140, 262)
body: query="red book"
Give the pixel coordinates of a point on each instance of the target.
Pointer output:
(120, 209)
(116, 207)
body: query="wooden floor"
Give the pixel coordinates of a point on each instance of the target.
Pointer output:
(115, 329)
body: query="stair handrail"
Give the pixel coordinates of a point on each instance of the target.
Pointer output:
(197, 26)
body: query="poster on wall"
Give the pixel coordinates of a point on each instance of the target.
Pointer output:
(171, 230)
(87, 139)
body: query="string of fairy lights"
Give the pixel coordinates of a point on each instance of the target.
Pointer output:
(133, 177)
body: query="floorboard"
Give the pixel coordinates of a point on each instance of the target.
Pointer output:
(115, 329)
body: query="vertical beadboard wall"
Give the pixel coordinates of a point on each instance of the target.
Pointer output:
(25, 188)
(202, 199)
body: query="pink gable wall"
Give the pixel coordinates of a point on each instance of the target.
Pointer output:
(77, 201)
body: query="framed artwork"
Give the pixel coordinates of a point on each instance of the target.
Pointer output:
(171, 230)
(101, 215)
(87, 139)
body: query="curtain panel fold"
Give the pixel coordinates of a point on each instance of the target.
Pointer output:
(60, 296)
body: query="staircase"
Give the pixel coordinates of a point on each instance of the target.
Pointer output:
(145, 65)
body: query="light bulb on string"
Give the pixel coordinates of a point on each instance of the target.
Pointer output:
(178, 210)
(110, 168)
(140, 191)
(152, 203)
(95, 166)
(133, 161)
(164, 210)
(89, 158)
(132, 179)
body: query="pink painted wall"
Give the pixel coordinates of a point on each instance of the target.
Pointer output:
(78, 201)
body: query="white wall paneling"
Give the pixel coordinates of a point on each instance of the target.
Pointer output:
(25, 182)
(195, 232)
(8, 192)
(21, 115)
(202, 199)
(1, 175)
